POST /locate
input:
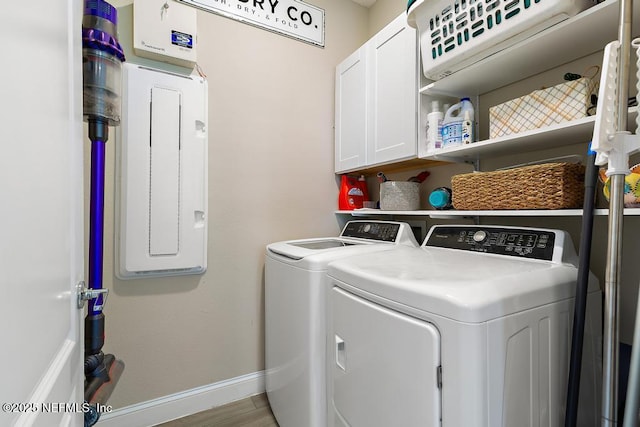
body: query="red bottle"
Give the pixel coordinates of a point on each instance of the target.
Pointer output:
(351, 196)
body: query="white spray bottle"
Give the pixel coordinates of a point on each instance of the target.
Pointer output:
(434, 127)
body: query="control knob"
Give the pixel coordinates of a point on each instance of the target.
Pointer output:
(479, 236)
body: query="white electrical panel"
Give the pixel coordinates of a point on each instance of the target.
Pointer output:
(165, 30)
(161, 180)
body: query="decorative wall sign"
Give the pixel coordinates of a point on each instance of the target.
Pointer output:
(292, 18)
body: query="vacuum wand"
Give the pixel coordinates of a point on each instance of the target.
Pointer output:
(94, 322)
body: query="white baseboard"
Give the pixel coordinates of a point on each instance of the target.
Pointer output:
(185, 403)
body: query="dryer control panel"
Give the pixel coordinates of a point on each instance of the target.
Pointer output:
(372, 230)
(519, 242)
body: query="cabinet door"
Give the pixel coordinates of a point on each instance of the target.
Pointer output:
(351, 113)
(393, 88)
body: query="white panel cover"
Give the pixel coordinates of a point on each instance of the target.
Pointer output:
(161, 184)
(164, 188)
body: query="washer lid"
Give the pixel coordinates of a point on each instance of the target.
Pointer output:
(465, 286)
(299, 249)
(357, 237)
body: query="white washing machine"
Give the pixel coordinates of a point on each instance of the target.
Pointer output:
(296, 289)
(472, 329)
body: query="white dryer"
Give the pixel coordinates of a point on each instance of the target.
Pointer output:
(472, 329)
(296, 289)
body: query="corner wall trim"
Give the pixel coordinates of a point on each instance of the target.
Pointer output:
(185, 403)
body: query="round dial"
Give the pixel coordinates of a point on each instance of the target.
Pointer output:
(367, 227)
(479, 236)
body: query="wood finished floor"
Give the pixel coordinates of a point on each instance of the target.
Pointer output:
(253, 411)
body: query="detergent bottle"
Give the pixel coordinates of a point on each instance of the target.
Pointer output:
(452, 124)
(351, 196)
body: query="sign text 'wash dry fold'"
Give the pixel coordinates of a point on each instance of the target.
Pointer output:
(292, 18)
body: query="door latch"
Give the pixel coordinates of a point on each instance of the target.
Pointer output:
(87, 294)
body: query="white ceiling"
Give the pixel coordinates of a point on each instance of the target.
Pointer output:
(365, 3)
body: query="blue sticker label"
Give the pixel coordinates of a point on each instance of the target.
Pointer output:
(182, 39)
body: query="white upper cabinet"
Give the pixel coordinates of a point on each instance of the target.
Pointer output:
(351, 112)
(376, 100)
(392, 77)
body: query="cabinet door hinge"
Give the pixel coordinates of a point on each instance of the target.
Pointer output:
(439, 376)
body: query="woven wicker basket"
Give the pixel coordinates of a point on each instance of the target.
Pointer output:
(545, 186)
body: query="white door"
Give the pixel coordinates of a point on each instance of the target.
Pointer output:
(351, 112)
(384, 366)
(41, 214)
(393, 78)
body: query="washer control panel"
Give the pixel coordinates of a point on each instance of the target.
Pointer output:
(372, 230)
(519, 242)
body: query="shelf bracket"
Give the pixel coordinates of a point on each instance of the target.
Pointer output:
(475, 163)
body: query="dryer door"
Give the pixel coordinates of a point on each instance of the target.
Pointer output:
(385, 366)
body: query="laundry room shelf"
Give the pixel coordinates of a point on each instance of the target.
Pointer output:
(571, 39)
(572, 132)
(561, 134)
(450, 214)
